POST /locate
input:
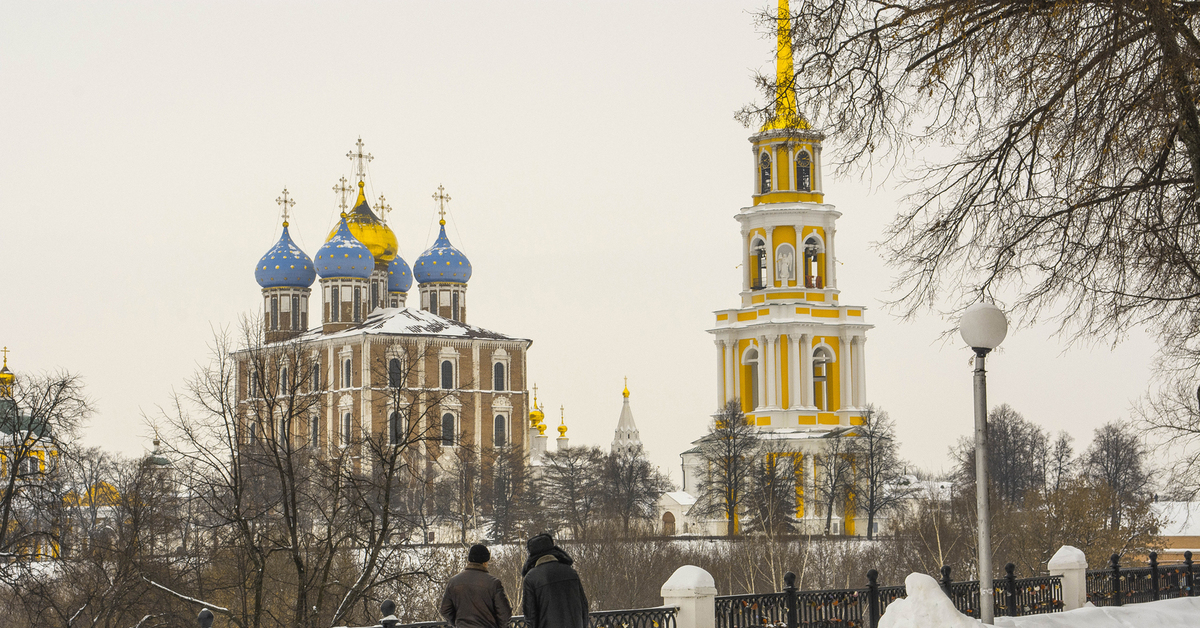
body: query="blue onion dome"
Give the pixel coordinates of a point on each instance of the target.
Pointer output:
(442, 262)
(399, 275)
(285, 265)
(344, 256)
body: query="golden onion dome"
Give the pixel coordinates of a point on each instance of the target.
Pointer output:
(367, 228)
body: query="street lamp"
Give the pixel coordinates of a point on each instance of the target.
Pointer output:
(983, 327)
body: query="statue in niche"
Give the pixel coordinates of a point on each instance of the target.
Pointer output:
(784, 266)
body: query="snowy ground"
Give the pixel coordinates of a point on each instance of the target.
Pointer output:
(927, 607)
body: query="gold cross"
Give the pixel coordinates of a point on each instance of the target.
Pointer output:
(286, 203)
(384, 208)
(343, 189)
(360, 160)
(442, 198)
(5, 351)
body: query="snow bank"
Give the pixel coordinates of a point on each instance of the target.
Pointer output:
(928, 607)
(1165, 614)
(925, 607)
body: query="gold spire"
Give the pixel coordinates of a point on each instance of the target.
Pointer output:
(6, 377)
(786, 114)
(626, 393)
(562, 423)
(442, 198)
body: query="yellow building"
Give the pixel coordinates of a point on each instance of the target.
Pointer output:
(791, 353)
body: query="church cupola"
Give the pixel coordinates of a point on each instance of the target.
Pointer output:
(345, 266)
(369, 229)
(285, 274)
(443, 271)
(399, 281)
(626, 439)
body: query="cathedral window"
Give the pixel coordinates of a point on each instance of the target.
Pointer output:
(316, 376)
(395, 428)
(433, 301)
(499, 436)
(374, 294)
(314, 430)
(346, 418)
(750, 366)
(346, 374)
(821, 360)
(253, 432)
(447, 374)
(764, 173)
(335, 306)
(274, 313)
(454, 306)
(357, 303)
(448, 430)
(498, 376)
(804, 172)
(812, 264)
(294, 319)
(254, 384)
(283, 381)
(395, 373)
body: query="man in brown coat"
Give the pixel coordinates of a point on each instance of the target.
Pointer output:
(474, 598)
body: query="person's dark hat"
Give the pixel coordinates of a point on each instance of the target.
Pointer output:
(539, 544)
(479, 554)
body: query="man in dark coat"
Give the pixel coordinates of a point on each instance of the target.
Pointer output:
(475, 598)
(553, 594)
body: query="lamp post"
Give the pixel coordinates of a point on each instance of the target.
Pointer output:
(983, 327)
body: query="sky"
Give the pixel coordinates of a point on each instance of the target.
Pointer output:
(593, 160)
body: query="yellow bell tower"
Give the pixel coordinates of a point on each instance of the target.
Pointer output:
(791, 353)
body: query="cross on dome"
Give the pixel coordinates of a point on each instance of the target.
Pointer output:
(442, 198)
(360, 160)
(384, 208)
(5, 351)
(286, 203)
(343, 189)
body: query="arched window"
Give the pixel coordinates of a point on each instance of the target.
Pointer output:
(454, 307)
(274, 312)
(335, 305)
(499, 437)
(433, 301)
(758, 278)
(447, 430)
(803, 172)
(357, 303)
(812, 264)
(498, 376)
(314, 430)
(254, 384)
(283, 381)
(346, 374)
(395, 373)
(346, 428)
(750, 364)
(447, 374)
(253, 432)
(316, 376)
(764, 173)
(294, 321)
(396, 428)
(821, 360)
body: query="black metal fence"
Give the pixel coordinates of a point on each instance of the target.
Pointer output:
(861, 608)
(1115, 586)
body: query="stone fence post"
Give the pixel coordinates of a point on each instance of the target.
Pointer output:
(1070, 563)
(694, 591)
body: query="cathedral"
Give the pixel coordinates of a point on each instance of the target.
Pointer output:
(369, 350)
(791, 354)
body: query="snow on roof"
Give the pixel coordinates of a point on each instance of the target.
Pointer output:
(681, 498)
(1181, 518)
(412, 322)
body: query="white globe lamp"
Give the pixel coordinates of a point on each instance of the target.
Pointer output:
(983, 326)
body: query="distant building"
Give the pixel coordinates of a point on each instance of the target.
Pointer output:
(626, 439)
(1181, 532)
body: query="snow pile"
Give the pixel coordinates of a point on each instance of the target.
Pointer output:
(925, 607)
(1164, 614)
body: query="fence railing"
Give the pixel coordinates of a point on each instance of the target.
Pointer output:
(861, 608)
(1115, 585)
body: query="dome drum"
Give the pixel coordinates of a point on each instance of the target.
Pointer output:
(346, 303)
(285, 312)
(446, 299)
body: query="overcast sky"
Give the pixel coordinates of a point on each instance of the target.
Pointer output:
(595, 169)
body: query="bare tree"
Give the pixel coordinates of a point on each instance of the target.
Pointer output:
(570, 488)
(632, 487)
(40, 417)
(729, 450)
(880, 489)
(1018, 455)
(773, 491)
(1116, 459)
(457, 489)
(1075, 144)
(507, 494)
(834, 466)
(1062, 463)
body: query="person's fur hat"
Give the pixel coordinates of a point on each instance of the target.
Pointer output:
(479, 554)
(539, 544)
